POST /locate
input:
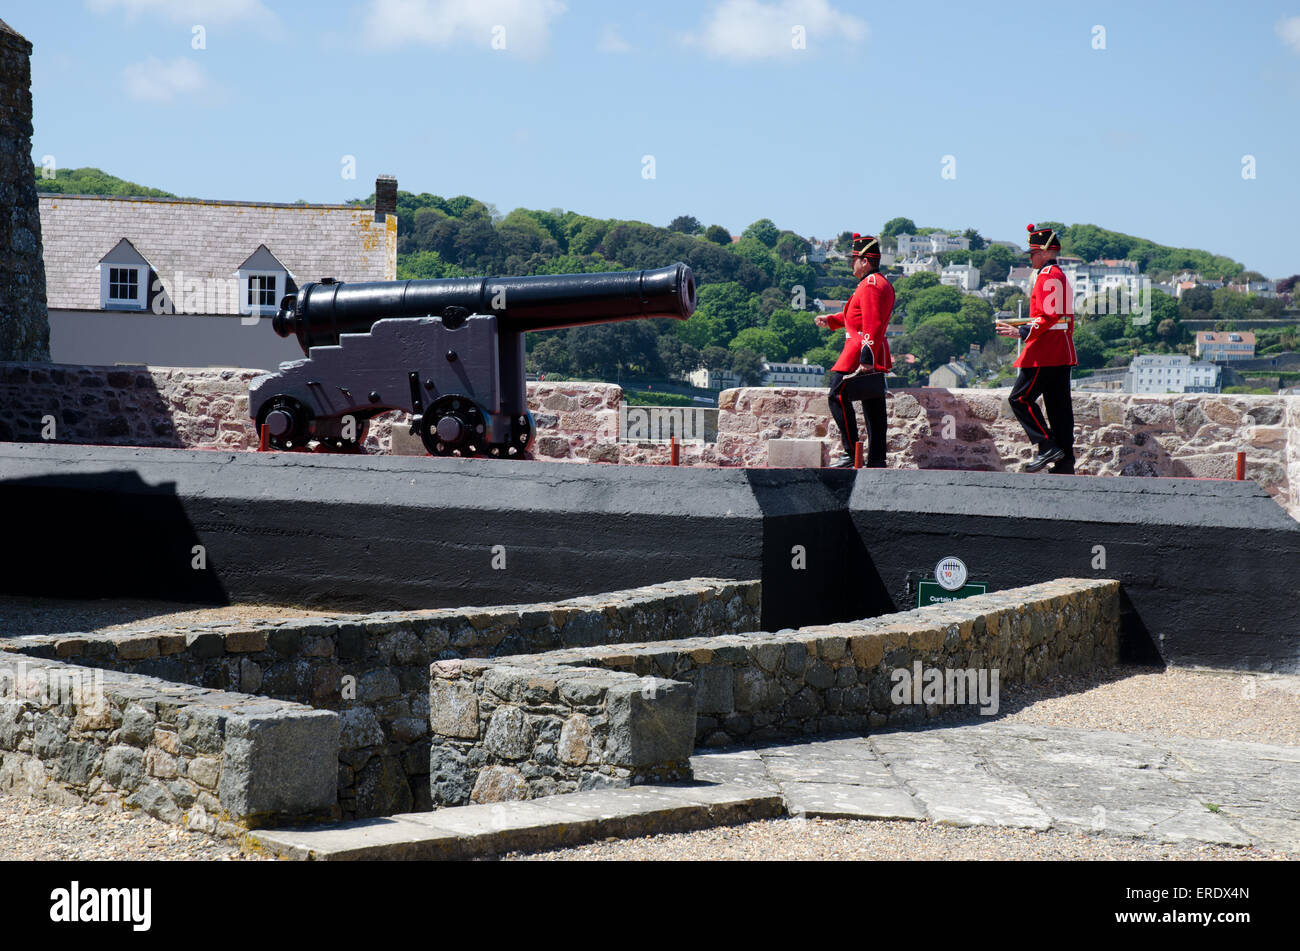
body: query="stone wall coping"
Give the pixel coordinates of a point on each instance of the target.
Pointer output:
(175, 637)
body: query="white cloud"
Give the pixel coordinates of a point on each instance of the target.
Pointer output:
(611, 41)
(156, 81)
(1289, 30)
(203, 12)
(746, 30)
(523, 26)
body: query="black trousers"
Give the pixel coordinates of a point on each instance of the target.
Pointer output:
(1053, 385)
(843, 394)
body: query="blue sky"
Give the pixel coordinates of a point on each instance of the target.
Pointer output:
(1147, 135)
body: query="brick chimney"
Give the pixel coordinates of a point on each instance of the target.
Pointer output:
(385, 197)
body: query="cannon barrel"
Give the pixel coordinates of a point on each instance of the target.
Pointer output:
(319, 312)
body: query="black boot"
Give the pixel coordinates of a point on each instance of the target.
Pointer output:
(1047, 454)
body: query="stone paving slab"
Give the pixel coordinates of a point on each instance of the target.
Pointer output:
(1017, 775)
(464, 832)
(989, 774)
(843, 801)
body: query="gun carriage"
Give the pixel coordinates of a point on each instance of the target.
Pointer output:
(449, 352)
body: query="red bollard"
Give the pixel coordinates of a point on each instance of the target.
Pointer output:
(264, 440)
(674, 452)
(1241, 467)
(857, 454)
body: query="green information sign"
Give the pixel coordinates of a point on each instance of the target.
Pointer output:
(931, 592)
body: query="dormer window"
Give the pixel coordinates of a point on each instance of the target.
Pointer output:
(261, 290)
(125, 278)
(263, 281)
(124, 285)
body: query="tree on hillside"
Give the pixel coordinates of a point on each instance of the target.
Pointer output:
(933, 300)
(844, 242)
(1198, 298)
(796, 330)
(791, 247)
(686, 224)
(747, 365)
(764, 231)
(897, 226)
(1089, 349)
(92, 181)
(763, 342)
(717, 234)
(998, 262)
(977, 242)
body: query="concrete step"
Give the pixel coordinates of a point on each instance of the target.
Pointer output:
(465, 832)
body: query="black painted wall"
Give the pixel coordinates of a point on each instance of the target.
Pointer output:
(1209, 568)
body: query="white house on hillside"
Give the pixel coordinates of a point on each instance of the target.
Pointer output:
(963, 276)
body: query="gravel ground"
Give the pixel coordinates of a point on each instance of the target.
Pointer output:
(850, 839)
(1201, 704)
(32, 829)
(21, 615)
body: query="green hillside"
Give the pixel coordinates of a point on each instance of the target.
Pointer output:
(757, 297)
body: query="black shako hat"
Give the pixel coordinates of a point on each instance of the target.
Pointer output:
(1043, 238)
(866, 245)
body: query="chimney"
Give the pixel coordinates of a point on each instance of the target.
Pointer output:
(385, 197)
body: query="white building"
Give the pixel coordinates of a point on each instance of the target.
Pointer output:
(1020, 277)
(805, 374)
(915, 265)
(953, 375)
(1170, 373)
(706, 379)
(1103, 278)
(934, 243)
(1217, 346)
(964, 276)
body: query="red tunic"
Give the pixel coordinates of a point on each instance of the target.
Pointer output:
(1051, 330)
(864, 319)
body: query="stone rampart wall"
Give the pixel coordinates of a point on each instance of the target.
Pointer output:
(205, 759)
(1192, 435)
(373, 669)
(531, 727)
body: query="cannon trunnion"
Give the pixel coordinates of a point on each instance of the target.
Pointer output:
(449, 352)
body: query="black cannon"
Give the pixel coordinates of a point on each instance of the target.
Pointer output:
(450, 352)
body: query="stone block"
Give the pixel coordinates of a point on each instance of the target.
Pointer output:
(650, 724)
(283, 762)
(453, 709)
(794, 453)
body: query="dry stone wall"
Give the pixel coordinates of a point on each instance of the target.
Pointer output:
(204, 759)
(372, 670)
(530, 727)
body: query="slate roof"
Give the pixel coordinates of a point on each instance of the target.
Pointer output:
(207, 239)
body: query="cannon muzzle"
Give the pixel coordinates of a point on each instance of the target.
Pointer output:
(320, 312)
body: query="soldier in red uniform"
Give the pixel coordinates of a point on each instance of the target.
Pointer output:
(859, 373)
(1046, 358)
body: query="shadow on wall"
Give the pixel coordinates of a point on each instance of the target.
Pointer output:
(816, 570)
(160, 407)
(103, 535)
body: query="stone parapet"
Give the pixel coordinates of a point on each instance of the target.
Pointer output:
(846, 677)
(205, 759)
(372, 669)
(504, 731)
(1117, 434)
